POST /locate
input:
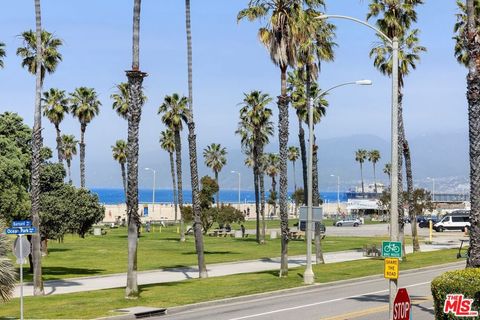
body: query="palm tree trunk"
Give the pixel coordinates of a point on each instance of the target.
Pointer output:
(218, 193)
(124, 178)
(401, 200)
(83, 127)
(36, 161)
(178, 156)
(135, 80)
(303, 152)
(262, 207)
(361, 175)
(473, 96)
(294, 176)
(174, 188)
(69, 171)
(411, 209)
(274, 189)
(283, 142)
(256, 179)
(59, 144)
(316, 203)
(192, 141)
(374, 178)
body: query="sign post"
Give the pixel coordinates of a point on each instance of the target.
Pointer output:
(402, 305)
(21, 249)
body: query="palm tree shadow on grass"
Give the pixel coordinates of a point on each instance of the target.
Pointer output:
(62, 271)
(211, 252)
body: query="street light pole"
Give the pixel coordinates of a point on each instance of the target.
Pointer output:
(239, 187)
(308, 275)
(394, 170)
(153, 189)
(338, 191)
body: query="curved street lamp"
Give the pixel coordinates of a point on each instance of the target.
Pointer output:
(308, 275)
(395, 156)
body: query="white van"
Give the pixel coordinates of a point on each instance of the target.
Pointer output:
(457, 220)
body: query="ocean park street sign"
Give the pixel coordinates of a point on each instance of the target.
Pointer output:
(21, 227)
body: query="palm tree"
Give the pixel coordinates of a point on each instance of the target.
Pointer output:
(387, 169)
(255, 129)
(135, 81)
(395, 19)
(293, 155)
(84, 105)
(460, 27)
(192, 150)
(167, 143)
(55, 107)
(119, 153)
(374, 157)
(174, 112)
(120, 100)
(8, 275)
(37, 144)
(467, 41)
(215, 159)
(69, 149)
(50, 54)
(2, 53)
(360, 157)
(279, 37)
(271, 161)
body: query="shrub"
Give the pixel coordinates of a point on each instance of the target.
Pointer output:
(8, 274)
(466, 282)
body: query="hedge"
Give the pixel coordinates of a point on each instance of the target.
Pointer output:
(466, 282)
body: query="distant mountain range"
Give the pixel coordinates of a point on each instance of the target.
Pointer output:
(441, 156)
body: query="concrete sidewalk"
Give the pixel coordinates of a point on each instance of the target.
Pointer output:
(214, 270)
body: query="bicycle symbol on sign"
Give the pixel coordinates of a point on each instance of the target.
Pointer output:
(391, 247)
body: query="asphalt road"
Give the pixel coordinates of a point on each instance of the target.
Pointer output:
(364, 299)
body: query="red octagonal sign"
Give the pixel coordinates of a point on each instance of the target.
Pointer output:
(401, 305)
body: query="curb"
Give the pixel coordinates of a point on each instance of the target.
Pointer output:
(303, 288)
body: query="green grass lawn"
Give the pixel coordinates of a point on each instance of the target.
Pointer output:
(101, 303)
(77, 257)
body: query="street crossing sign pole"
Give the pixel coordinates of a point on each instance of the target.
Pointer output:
(21, 249)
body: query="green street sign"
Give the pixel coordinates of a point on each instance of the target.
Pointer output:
(392, 249)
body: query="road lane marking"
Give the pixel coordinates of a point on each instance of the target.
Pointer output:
(321, 302)
(366, 312)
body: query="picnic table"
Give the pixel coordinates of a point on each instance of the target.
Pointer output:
(220, 233)
(296, 234)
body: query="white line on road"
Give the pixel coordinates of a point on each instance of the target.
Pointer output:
(323, 302)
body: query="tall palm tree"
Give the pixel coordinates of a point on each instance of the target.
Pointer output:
(360, 157)
(84, 105)
(135, 81)
(271, 161)
(293, 155)
(467, 29)
(50, 54)
(8, 275)
(119, 153)
(395, 19)
(2, 53)
(374, 157)
(279, 37)
(55, 107)
(255, 129)
(167, 143)
(192, 150)
(174, 111)
(215, 159)
(120, 100)
(37, 144)
(69, 149)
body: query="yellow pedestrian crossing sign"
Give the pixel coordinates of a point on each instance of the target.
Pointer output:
(391, 270)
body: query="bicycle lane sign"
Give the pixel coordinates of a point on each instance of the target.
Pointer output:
(391, 249)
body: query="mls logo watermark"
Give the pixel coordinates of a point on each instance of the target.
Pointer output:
(459, 306)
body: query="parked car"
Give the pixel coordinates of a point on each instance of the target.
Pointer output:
(355, 222)
(457, 220)
(424, 223)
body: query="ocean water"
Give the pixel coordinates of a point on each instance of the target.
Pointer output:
(115, 196)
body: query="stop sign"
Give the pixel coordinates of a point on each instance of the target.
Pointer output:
(401, 305)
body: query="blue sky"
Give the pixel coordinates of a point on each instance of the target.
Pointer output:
(228, 60)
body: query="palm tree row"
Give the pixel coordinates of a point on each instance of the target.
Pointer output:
(372, 156)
